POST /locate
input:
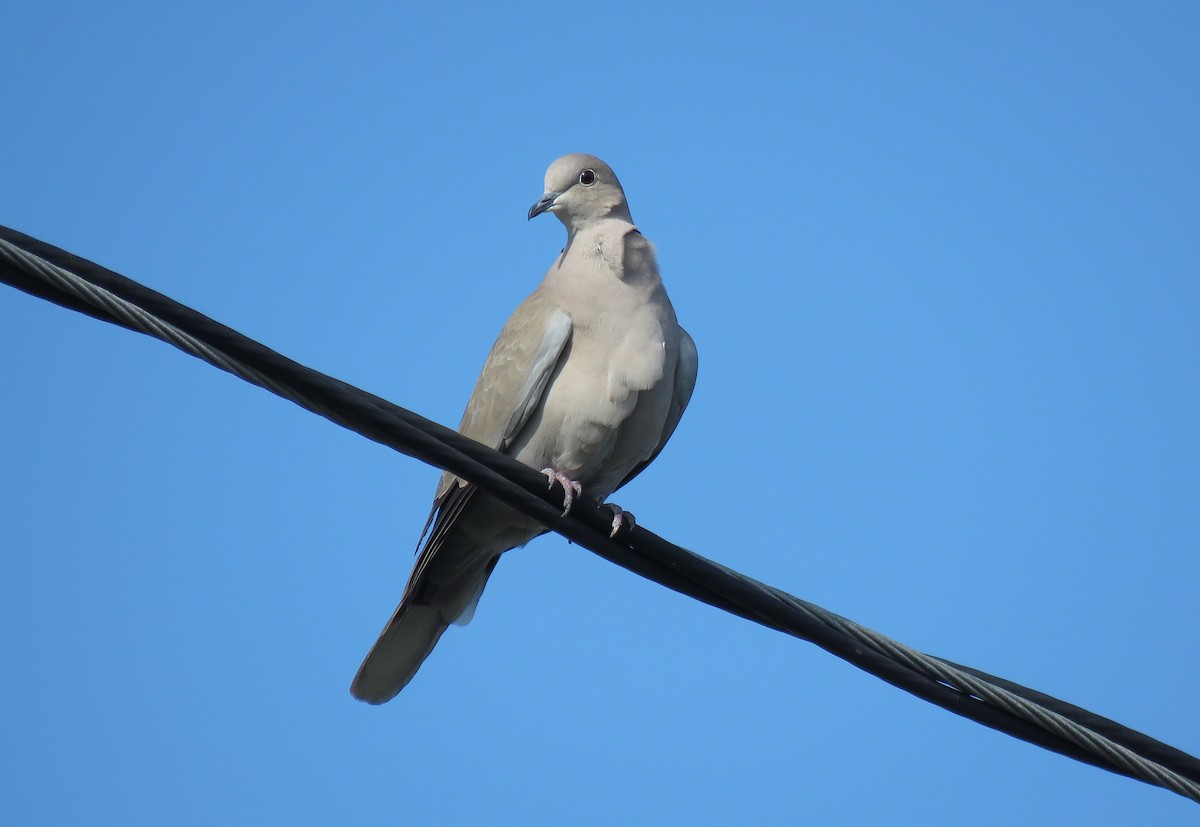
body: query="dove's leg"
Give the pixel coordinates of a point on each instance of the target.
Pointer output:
(571, 489)
(622, 522)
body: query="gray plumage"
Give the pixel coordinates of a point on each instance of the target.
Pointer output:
(589, 378)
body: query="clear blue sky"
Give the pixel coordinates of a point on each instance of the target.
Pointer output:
(941, 264)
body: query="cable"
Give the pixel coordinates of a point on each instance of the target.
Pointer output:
(60, 277)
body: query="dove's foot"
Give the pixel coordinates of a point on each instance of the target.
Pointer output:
(622, 521)
(571, 489)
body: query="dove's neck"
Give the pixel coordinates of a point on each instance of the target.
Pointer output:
(597, 214)
(601, 251)
(590, 231)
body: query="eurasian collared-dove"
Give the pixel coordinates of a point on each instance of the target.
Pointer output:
(587, 381)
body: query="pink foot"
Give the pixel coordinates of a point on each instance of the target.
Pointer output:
(622, 522)
(571, 489)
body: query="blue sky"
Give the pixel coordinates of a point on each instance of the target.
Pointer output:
(940, 263)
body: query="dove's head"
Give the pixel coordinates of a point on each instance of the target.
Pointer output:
(581, 189)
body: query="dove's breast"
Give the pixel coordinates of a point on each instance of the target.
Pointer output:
(605, 407)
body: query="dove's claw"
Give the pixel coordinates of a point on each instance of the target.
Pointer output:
(622, 522)
(571, 489)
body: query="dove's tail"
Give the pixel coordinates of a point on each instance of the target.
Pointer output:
(426, 610)
(468, 534)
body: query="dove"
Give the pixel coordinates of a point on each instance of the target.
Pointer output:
(586, 382)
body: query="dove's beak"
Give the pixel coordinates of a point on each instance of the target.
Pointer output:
(544, 203)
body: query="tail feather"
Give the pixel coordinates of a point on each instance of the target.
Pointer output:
(424, 613)
(402, 647)
(469, 534)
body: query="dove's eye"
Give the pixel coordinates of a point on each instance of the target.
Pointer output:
(587, 177)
